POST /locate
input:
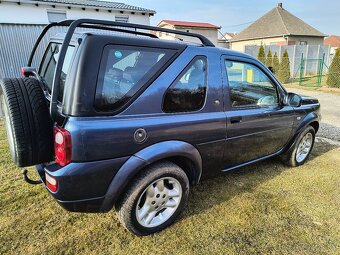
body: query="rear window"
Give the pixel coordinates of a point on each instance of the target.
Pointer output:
(49, 63)
(124, 71)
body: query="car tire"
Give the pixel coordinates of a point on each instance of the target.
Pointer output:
(154, 199)
(28, 123)
(298, 154)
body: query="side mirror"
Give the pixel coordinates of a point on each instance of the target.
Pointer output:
(293, 100)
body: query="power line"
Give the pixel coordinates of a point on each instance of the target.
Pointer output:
(239, 24)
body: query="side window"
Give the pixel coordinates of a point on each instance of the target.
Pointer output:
(125, 70)
(249, 86)
(187, 93)
(49, 64)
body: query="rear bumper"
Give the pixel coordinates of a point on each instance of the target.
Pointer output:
(81, 186)
(87, 205)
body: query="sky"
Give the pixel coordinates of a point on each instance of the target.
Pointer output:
(235, 15)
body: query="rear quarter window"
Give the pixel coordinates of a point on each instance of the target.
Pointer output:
(124, 70)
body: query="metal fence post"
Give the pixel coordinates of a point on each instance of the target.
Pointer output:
(293, 62)
(320, 71)
(305, 61)
(302, 64)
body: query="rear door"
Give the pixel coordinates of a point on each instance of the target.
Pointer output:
(258, 124)
(48, 66)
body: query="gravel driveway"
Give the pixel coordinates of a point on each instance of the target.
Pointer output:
(330, 110)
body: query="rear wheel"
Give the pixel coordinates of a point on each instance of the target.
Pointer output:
(28, 124)
(154, 200)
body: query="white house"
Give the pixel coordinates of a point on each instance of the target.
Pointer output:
(46, 11)
(21, 22)
(208, 30)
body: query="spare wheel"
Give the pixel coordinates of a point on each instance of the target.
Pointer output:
(28, 123)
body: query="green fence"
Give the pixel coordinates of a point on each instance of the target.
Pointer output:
(311, 72)
(316, 73)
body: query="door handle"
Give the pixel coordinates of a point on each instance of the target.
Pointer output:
(234, 120)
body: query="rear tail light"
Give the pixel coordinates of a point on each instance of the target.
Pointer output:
(51, 183)
(22, 72)
(62, 146)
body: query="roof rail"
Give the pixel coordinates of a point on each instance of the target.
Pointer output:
(95, 24)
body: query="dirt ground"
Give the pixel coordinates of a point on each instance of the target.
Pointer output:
(330, 110)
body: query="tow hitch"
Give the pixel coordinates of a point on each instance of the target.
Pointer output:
(28, 180)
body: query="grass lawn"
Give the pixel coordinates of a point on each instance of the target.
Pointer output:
(266, 208)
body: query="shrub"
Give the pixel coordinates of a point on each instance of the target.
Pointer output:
(276, 63)
(333, 79)
(269, 59)
(261, 55)
(284, 71)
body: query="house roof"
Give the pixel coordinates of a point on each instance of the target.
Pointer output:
(90, 3)
(230, 34)
(277, 22)
(332, 40)
(189, 24)
(227, 36)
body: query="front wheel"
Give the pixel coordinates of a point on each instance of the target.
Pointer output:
(301, 149)
(154, 199)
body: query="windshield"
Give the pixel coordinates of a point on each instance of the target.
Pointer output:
(49, 64)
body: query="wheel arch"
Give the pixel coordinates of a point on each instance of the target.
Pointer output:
(315, 125)
(180, 153)
(310, 119)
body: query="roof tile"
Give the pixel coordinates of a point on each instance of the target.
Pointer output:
(189, 24)
(332, 40)
(100, 4)
(277, 22)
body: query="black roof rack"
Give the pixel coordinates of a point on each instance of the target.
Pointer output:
(95, 24)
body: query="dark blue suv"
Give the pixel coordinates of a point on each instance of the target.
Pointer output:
(127, 120)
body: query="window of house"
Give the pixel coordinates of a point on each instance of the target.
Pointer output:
(124, 71)
(123, 19)
(187, 93)
(249, 86)
(303, 42)
(56, 15)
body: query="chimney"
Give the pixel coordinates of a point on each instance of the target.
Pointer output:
(279, 5)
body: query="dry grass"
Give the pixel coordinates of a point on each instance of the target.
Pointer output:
(266, 208)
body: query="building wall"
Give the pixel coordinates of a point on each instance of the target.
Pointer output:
(16, 42)
(223, 44)
(292, 40)
(333, 50)
(31, 14)
(311, 40)
(211, 34)
(240, 46)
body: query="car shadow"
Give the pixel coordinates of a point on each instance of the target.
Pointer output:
(224, 186)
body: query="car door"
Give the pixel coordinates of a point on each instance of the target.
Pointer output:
(195, 112)
(258, 123)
